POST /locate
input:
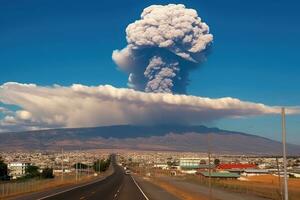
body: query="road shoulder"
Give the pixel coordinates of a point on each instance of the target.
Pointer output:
(152, 190)
(197, 191)
(61, 189)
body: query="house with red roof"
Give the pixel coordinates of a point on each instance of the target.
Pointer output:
(236, 167)
(228, 166)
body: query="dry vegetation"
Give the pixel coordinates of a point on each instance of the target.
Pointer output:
(263, 186)
(271, 182)
(12, 189)
(181, 193)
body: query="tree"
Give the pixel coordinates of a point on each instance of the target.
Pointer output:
(101, 165)
(171, 163)
(216, 162)
(202, 162)
(80, 166)
(3, 170)
(98, 165)
(47, 173)
(32, 171)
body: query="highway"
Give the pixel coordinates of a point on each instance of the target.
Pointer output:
(118, 186)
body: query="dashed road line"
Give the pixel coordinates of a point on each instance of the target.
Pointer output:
(118, 191)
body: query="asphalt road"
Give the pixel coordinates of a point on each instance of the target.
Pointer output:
(118, 186)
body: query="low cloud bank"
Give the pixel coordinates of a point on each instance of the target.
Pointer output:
(84, 106)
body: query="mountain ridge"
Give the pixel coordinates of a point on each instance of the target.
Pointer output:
(159, 137)
(161, 130)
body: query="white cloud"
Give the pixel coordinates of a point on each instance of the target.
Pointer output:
(2, 109)
(9, 119)
(24, 115)
(83, 106)
(5, 110)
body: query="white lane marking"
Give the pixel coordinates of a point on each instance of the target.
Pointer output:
(118, 191)
(139, 188)
(73, 188)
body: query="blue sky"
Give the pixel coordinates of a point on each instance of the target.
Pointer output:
(255, 55)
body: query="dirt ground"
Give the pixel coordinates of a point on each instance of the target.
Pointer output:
(178, 192)
(271, 183)
(263, 186)
(294, 183)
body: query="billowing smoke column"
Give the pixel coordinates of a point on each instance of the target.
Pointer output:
(163, 46)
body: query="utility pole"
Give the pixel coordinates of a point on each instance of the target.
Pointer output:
(88, 169)
(97, 166)
(80, 164)
(76, 167)
(286, 196)
(209, 166)
(279, 179)
(62, 164)
(100, 166)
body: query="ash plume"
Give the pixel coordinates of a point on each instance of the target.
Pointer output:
(163, 46)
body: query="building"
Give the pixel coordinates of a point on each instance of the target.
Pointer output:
(191, 163)
(206, 167)
(232, 166)
(161, 166)
(294, 174)
(237, 168)
(255, 172)
(17, 169)
(220, 175)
